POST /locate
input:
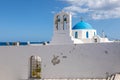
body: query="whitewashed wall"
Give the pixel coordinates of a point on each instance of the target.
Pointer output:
(76, 61)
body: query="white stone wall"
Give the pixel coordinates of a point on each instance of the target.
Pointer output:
(74, 79)
(84, 61)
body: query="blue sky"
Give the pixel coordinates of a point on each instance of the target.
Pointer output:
(32, 20)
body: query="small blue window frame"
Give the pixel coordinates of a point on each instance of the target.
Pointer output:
(76, 34)
(87, 34)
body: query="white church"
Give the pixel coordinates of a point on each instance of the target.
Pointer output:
(74, 53)
(81, 33)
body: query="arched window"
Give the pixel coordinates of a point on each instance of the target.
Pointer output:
(64, 22)
(95, 40)
(76, 34)
(87, 34)
(35, 67)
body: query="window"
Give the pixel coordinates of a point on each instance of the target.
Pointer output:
(35, 67)
(95, 40)
(87, 34)
(94, 34)
(76, 34)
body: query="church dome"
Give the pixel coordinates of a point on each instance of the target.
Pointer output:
(82, 25)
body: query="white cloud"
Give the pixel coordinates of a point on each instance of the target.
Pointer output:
(96, 9)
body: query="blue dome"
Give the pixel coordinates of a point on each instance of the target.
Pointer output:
(82, 25)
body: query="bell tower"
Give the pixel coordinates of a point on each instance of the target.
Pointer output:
(62, 28)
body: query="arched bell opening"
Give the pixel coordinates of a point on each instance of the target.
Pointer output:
(57, 22)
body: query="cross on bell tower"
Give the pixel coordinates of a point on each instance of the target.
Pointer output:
(81, 18)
